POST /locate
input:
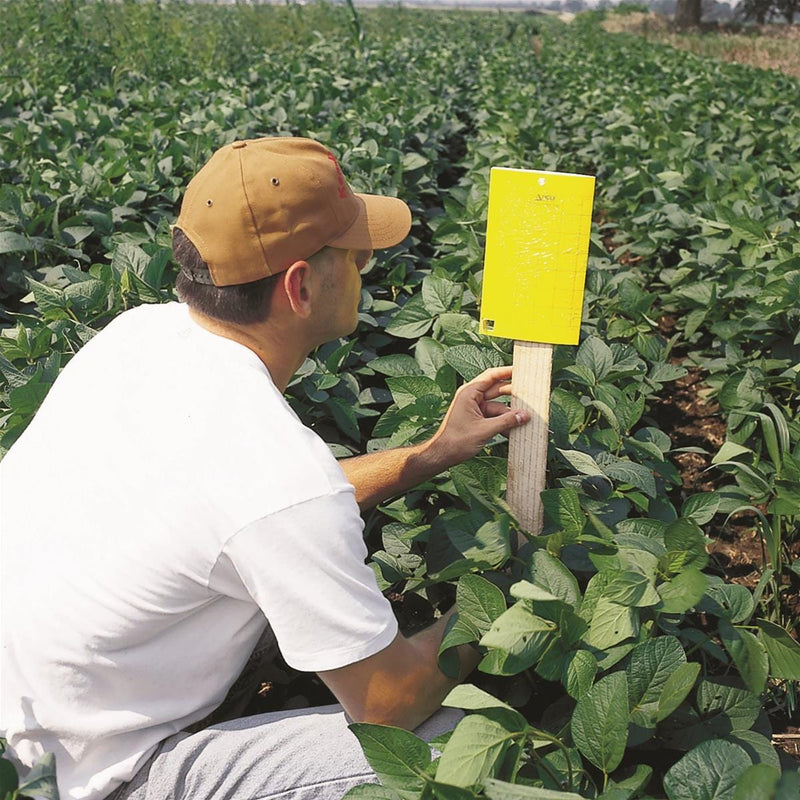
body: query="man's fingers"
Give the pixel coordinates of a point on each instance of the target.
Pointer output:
(489, 377)
(494, 409)
(504, 422)
(498, 390)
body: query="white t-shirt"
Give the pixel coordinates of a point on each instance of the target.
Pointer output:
(162, 503)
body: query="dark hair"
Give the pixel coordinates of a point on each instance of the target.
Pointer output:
(242, 304)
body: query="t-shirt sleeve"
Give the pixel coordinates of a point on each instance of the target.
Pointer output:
(304, 567)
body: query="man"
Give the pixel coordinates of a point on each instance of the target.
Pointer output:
(166, 506)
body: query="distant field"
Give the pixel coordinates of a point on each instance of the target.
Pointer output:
(767, 47)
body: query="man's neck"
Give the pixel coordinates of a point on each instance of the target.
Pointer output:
(281, 353)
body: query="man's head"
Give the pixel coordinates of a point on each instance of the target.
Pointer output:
(261, 205)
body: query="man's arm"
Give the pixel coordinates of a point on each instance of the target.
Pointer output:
(401, 685)
(471, 421)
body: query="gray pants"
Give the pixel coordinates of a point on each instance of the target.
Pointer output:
(292, 755)
(306, 754)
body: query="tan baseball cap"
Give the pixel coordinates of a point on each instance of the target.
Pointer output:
(259, 205)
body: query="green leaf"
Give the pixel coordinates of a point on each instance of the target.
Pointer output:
(683, 592)
(525, 590)
(595, 589)
(130, 257)
(344, 416)
(788, 786)
(487, 548)
(684, 537)
(787, 500)
(8, 777)
(729, 451)
(429, 355)
(572, 408)
(521, 634)
(86, 296)
(578, 673)
(649, 668)
(596, 356)
(11, 242)
(571, 626)
(640, 526)
(550, 574)
(412, 161)
(724, 708)
(664, 372)
(41, 779)
(492, 709)
(701, 508)
(482, 475)
(633, 784)
(75, 234)
(452, 327)
(611, 623)
(473, 752)
(581, 462)
(676, 689)
(399, 758)
(456, 633)
(783, 651)
(479, 603)
(500, 790)
(561, 769)
(407, 389)
(757, 782)
(607, 413)
(551, 665)
(563, 507)
(758, 747)
(600, 722)
(396, 365)
(631, 472)
(498, 662)
(748, 654)
(471, 698)
(26, 399)
(630, 588)
(728, 600)
(411, 321)
(469, 360)
(444, 791)
(51, 302)
(440, 294)
(709, 772)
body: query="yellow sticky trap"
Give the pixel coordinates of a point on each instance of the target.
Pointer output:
(537, 243)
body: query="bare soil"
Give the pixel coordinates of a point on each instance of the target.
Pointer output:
(736, 550)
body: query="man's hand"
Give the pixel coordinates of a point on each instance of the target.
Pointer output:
(471, 421)
(473, 418)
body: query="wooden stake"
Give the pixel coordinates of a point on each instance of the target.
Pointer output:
(527, 450)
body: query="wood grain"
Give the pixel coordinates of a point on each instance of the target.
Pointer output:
(527, 451)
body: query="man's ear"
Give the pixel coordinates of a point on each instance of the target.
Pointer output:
(297, 288)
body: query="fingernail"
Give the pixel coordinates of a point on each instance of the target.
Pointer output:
(520, 417)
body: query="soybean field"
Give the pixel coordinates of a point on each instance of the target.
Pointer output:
(645, 645)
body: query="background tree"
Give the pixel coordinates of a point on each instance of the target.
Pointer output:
(788, 8)
(756, 10)
(688, 13)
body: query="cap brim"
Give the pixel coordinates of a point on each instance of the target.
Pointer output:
(381, 222)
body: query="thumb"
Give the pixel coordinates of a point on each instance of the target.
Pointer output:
(503, 423)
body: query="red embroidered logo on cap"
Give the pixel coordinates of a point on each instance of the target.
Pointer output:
(339, 176)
